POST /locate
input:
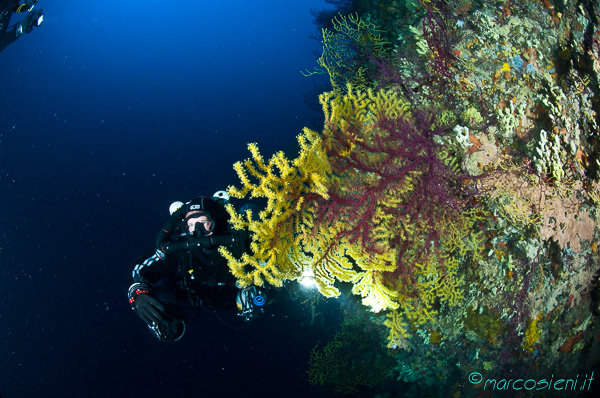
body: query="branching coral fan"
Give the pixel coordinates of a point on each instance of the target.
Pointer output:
(351, 360)
(369, 201)
(347, 50)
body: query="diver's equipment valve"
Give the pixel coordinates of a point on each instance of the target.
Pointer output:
(250, 301)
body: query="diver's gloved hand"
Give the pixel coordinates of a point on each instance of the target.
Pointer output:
(149, 309)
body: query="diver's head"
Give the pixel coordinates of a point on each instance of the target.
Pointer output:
(198, 219)
(199, 223)
(214, 210)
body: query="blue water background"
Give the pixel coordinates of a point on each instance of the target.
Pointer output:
(110, 111)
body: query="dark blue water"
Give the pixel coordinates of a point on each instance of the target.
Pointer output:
(110, 111)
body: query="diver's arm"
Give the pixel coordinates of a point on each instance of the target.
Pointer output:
(145, 271)
(236, 241)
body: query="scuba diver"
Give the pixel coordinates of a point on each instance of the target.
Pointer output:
(33, 19)
(185, 274)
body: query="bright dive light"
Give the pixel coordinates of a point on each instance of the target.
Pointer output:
(307, 280)
(40, 19)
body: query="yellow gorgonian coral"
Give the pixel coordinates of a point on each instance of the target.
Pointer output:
(344, 210)
(286, 185)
